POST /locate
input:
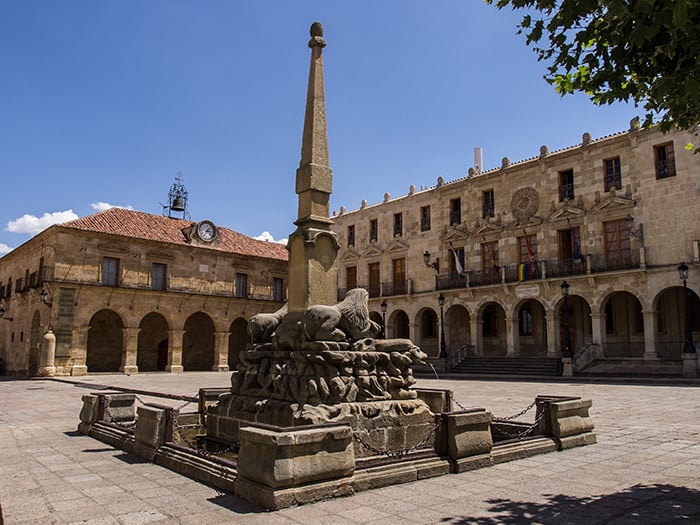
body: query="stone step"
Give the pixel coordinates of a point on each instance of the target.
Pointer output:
(540, 366)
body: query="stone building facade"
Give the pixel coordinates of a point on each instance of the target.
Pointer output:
(612, 217)
(129, 291)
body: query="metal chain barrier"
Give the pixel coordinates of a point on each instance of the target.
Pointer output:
(525, 431)
(398, 454)
(521, 413)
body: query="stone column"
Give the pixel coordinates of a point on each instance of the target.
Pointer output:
(649, 334)
(512, 342)
(175, 351)
(221, 351)
(598, 328)
(476, 330)
(553, 349)
(79, 351)
(130, 350)
(47, 355)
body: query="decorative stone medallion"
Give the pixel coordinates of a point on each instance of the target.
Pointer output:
(524, 204)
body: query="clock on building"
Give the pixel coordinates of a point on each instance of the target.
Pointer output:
(206, 231)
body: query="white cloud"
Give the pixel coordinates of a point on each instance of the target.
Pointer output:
(4, 248)
(102, 206)
(267, 236)
(32, 225)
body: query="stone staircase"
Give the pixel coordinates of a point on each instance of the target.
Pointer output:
(523, 366)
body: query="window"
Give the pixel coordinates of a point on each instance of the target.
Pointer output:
(277, 289)
(489, 258)
(398, 270)
(617, 244)
(241, 285)
(429, 327)
(398, 224)
(665, 161)
(525, 320)
(351, 277)
(18, 285)
(373, 230)
(455, 211)
(158, 276)
(8, 290)
(351, 235)
(425, 218)
(613, 175)
(487, 204)
(566, 185)
(110, 271)
(570, 250)
(374, 280)
(528, 248)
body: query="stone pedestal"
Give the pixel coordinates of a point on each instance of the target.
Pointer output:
(279, 467)
(567, 367)
(469, 440)
(151, 430)
(47, 367)
(690, 364)
(566, 420)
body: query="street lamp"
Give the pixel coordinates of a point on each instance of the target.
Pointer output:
(435, 265)
(383, 307)
(689, 348)
(567, 335)
(443, 347)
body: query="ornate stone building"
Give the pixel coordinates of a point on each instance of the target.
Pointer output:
(128, 291)
(612, 217)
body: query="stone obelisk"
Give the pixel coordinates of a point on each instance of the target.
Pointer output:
(313, 247)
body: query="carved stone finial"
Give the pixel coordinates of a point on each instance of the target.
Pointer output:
(440, 181)
(544, 151)
(505, 162)
(411, 189)
(586, 140)
(342, 210)
(316, 35)
(634, 124)
(363, 204)
(387, 197)
(470, 172)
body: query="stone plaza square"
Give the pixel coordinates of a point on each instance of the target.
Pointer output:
(644, 468)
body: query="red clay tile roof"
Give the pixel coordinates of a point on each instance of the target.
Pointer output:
(140, 225)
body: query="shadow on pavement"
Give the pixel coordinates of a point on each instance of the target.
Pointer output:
(659, 504)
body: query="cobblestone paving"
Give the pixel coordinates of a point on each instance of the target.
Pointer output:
(645, 467)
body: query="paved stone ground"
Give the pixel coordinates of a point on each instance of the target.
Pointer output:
(644, 469)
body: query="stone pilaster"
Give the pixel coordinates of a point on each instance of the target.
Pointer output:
(221, 352)
(130, 351)
(175, 351)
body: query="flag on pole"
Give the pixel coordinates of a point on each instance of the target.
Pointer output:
(458, 264)
(532, 267)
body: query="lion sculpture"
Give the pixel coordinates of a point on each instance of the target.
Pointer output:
(347, 320)
(263, 325)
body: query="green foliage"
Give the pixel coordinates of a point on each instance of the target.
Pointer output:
(644, 51)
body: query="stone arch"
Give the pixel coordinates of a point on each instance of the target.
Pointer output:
(531, 328)
(237, 341)
(580, 322)
(669, 310)
(152, 347)
(427, 331)
(623, 326)
(398, 325)
(105, 342)
(198, 343)
(457, 328)
(493, 330)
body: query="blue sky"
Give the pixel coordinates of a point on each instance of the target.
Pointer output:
(103, 102)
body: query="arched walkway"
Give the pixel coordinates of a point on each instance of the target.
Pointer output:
(624, 326)
(237, 341)
(493, 330)
(580, 325)
(398, 325)
(457, 329)
(670, 311)
(153, 338)
(198, 343)
(105, 342)
(428, 331)
(532, 329)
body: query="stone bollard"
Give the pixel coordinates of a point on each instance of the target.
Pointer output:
(153, 429)
(566, 420)
(279, 467)
(89, 413)
(469, 440)
(47, 367)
